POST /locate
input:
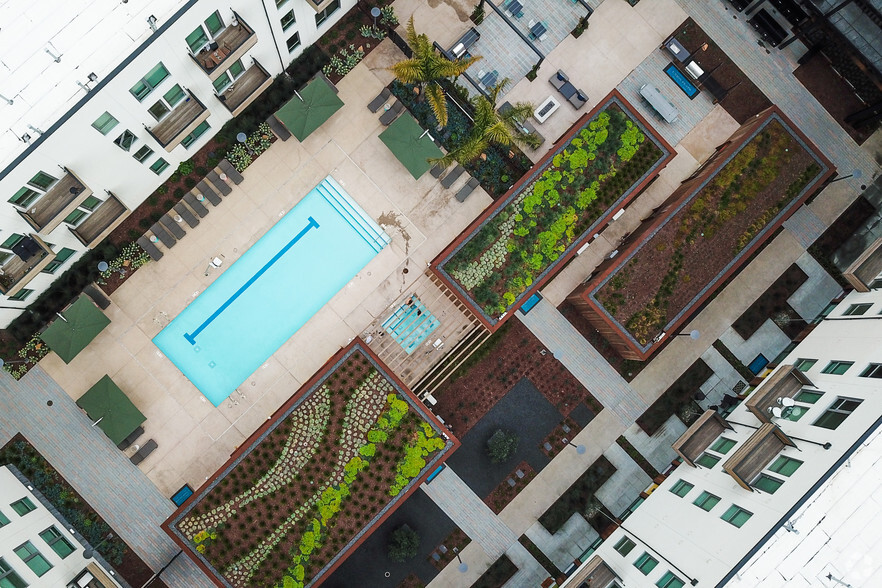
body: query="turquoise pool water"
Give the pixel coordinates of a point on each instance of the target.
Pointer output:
(410, 324)
(262, 299)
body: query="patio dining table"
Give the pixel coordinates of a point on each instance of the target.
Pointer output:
(489, 79)
(515, 8)
(537, 30)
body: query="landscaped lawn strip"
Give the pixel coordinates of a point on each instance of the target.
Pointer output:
(497, 574)
(302, 494)
(577, 496)
(693, 247)
(500, 260)
(677, 396)
(504, 493)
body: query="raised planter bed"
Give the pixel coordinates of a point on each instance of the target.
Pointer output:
(577, 496)
(702, 235)
(314, 482)
(596, 169)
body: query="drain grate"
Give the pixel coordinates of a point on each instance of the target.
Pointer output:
(737, 388)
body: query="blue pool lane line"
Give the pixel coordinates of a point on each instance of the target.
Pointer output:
(312, 224)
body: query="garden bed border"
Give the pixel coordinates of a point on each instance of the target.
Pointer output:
(614, 97)
(624, 341)
(256, 438)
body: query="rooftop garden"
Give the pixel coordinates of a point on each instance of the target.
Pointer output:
(315, 482)
(706, 236)
(542, 221)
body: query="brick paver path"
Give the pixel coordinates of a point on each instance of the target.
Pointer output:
(584, 362)
(805, 226)
(87, 459)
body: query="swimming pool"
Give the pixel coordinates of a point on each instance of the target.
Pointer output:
(226, 333)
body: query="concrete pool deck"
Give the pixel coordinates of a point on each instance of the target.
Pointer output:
(421, 217)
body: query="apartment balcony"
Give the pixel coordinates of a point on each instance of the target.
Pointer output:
(595, 573)
(319, 5)
(101, 222)
(62, 198)
(863, 271)
(31, 255)
(755, 454)
(784, 383)
(180, 122)
(251, 84)
(93, 576)
(699, 436)
(231, 44)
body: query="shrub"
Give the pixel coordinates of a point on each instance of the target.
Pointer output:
(168, 204)
(145, 223)
(155, 216)
(502, 445)
(190, 182)
(201, 171)
(403, 544)
(186, 167)
(179, 193)
(153, 199)
(163, 189)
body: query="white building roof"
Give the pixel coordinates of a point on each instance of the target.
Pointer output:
(836, 532)
(84, 36)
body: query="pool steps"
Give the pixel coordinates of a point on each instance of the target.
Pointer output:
(353, 214)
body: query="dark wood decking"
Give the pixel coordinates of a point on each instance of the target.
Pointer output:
(58, 199)
(177, 120)
(245, 87)
(100, 220)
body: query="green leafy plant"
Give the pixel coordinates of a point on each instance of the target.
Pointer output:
(403, 544)
(502, 445)
(388, 16)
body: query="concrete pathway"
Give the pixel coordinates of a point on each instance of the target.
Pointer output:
(584, 362)
(126, 499)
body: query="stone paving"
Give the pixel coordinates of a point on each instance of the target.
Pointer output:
(565, 546)
(657, 449)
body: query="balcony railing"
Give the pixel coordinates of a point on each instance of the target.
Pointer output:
(756, 453)
(251, 84)
(784, 383)
(101, 222)
(864, 270)
(30, 257)
(319, 5)
(699, 436)
(59, 201)
(180, 122)
(594, 573)
(228, 46)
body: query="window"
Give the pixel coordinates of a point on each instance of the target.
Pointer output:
(24, 197)
(837, 412)
(707, 460)
(125, 140)
(4, 520)
(737, 516)
(146, 84)
(23, 506)
(105, 123)
(288, 20)
(159, 166)
(82, 211)
(324, 14)
(856, 309)
(837, 368)
(706, 501)
(767, 483)
(57, 542)
(20, 295)
(280, 3)
(631, 508)
(808, 396)
(59, 260)
(669, 580)
(33, 558)
(199, 38)
(624, 546)
(229, 76)
(876, 284)
(143, 153)
(42, 181)
(874, 370)
(293, 42)
(645, 563)
(28, 194)
(7, 245)
(723, 445)
(197, 132)
(805, 365)
(169, 100)
(681, 488)
(8, 577)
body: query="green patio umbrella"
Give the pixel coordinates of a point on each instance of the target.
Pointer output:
(412, 145)
(75, 328)
(310, 109)
(111, 410)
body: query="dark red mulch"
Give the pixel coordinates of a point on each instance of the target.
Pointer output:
(457, 539)
(517, 354)
(557, 435)
(412, 581)
(504, 493)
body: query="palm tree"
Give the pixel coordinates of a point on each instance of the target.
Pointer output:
(426, 67)
(491, 126)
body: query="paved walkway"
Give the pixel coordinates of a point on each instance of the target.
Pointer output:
(123, 495)
(805, 226)
(584, 362)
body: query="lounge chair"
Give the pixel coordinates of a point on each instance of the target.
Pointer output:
(578, 99)
(466, 190)
(208, 192)
(125, 443)
(436, 171)
(97, 296)
(219, 183)
(164, 236)
(380, 100)
(451, 177)
(390, 115)
(142, 453)
(230, 171)
(151, 249)
(194, 203)
(185, 214)
(558, 80)
(173, 227)
(278, 128)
